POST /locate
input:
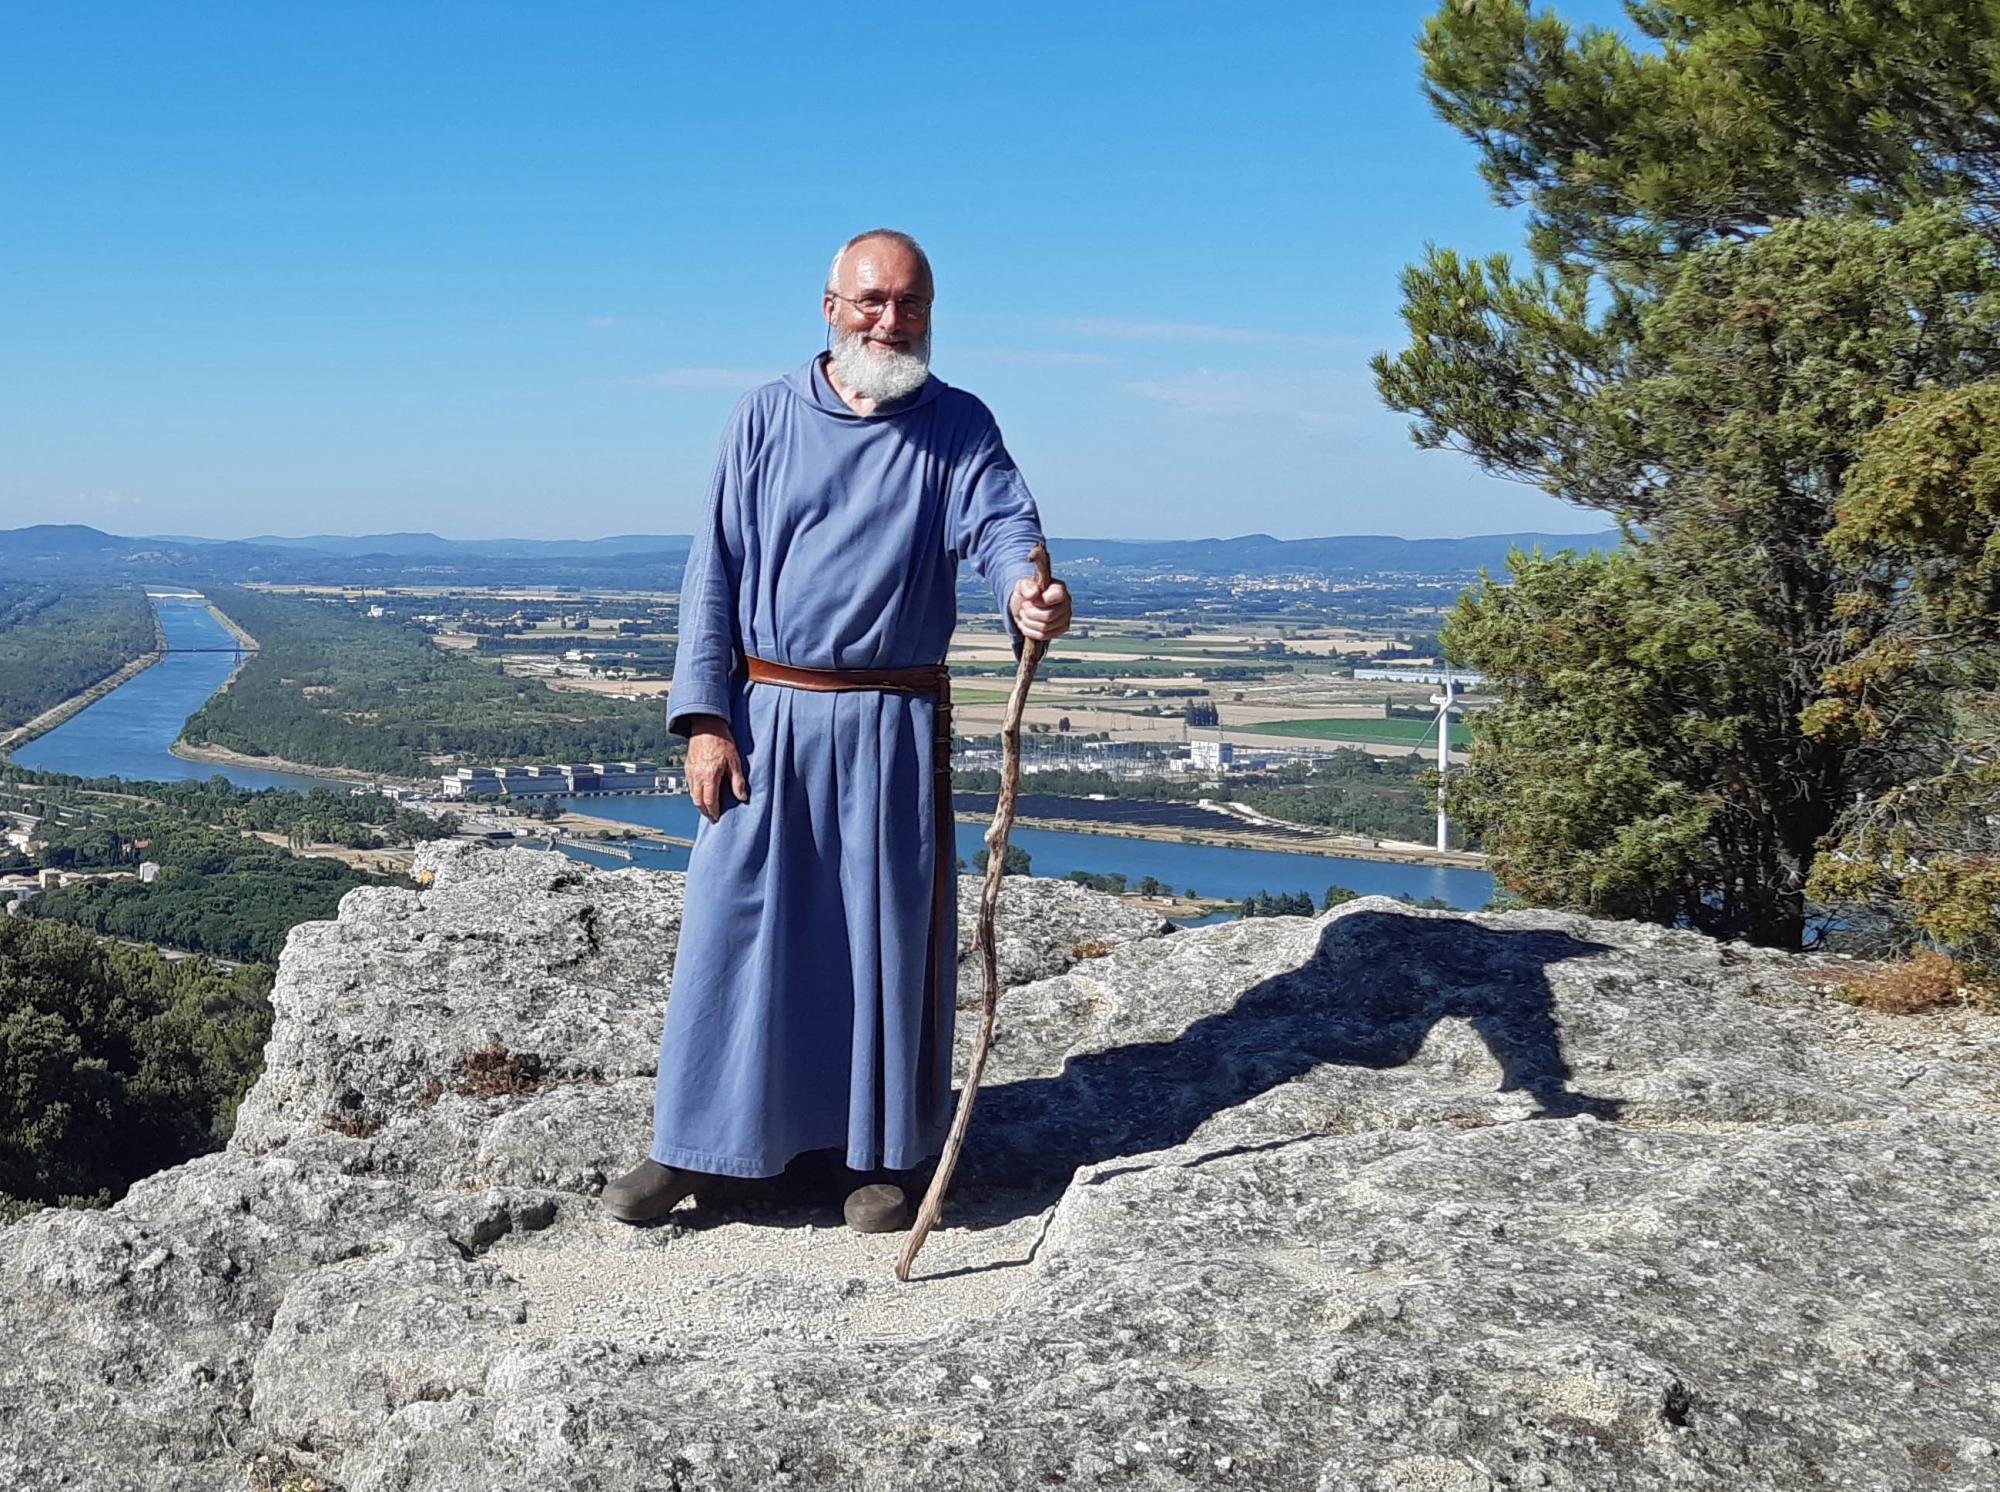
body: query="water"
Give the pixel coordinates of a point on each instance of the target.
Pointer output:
(127, 734)
(1210, 869)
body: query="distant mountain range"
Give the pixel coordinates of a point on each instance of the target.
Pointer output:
(73, 551)
(654, 560)
(1342, 553)
(430, 545)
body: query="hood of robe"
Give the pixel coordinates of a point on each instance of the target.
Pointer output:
(809, 385)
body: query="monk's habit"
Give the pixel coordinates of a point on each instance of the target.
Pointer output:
(804, 1012)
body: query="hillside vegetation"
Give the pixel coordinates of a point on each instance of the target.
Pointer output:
(58, 640)
(115, 1062)
(220, 890)
(331, 687)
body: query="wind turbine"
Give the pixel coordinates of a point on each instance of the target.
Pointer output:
(1446, 703)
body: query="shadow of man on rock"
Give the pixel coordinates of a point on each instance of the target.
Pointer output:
(1367, 997)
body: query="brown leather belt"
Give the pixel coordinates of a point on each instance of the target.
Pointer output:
(940, 969)
(928, 678)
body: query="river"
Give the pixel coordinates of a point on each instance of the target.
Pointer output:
(1208, 869)
(127, 734)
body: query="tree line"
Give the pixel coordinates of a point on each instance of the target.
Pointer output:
(324, 815)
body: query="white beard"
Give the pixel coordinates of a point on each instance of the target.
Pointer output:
(881, 376)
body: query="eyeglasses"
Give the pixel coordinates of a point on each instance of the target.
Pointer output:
(910, 307)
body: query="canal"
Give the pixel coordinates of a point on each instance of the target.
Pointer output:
(128, 733)
(1206, 869)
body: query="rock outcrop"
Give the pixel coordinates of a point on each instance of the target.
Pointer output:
(1385, 1199)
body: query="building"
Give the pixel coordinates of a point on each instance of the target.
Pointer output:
(627, 777)
(533, 782)
(472, 782)
(1211, 756)
(1464, 678)
(562, 780)
(149, 871)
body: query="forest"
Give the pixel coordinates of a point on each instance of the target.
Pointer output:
(217, 892)
(58, 640)
(332, 687)
(220, 889)
(115, 1062)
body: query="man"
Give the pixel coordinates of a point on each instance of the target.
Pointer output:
(813, 988)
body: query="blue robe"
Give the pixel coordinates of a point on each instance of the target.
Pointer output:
(832, 540)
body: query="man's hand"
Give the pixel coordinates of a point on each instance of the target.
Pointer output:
(1041, 614)
(711, 762)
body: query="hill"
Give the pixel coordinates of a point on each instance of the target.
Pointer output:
(652, 561)
(1340, 554)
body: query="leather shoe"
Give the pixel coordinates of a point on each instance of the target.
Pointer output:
(876, 1209)
(647, 1192)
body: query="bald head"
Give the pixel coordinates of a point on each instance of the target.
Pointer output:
(898, 249)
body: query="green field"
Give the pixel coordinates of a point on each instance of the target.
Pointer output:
(962, 696)
(1410, 732)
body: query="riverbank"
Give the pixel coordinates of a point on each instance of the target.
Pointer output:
(1393, 852)
(580, 824)
(1331, 846)
(243, 639)
(222, 756)
(56, 714)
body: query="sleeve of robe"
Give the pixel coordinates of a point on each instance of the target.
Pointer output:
(706, 646)
(993, 519)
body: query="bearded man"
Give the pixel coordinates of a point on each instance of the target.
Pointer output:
(812, 996)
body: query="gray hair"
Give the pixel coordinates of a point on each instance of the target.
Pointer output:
(895, 236)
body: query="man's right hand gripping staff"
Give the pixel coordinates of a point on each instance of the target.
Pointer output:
(712, 764)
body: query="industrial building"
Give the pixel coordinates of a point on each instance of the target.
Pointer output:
(1211, 756)
(1383, 673)
(563, 780)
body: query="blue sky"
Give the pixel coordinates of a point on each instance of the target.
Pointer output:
(502, 269)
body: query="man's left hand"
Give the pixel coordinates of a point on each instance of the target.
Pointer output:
(1041, 612)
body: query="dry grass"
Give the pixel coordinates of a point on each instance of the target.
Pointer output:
(495, 1072)
(1095, 948)
(281, 1474)
(1927, 981)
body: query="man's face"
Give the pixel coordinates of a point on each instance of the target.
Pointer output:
(880, 270)
(879, 314)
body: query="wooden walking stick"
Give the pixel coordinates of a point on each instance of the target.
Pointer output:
(989, 899)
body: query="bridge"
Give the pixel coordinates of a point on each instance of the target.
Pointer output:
(232, 648)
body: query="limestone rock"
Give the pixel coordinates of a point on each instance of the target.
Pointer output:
(1383, 1199)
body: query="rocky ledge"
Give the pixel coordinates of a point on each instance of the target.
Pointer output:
(1385, 1199)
